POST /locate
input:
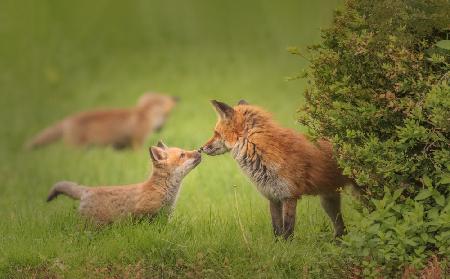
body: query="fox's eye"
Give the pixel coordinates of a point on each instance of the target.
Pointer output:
(182, 155)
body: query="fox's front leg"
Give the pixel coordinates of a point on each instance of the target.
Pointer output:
(276, 211)
(289, 212)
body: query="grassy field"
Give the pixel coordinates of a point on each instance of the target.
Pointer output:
(58, 57)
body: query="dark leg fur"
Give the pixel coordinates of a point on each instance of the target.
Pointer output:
(332, 206)
(121, 145)
(276, 211)
(289, 212)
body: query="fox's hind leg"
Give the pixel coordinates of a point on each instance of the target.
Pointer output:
(289, 212)
(276, 211)
(331, 203)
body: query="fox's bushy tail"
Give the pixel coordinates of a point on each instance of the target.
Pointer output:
(67, 188)
(47, 136)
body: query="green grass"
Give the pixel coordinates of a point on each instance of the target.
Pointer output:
(58, 57)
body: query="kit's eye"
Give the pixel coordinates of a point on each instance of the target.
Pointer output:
(182, 155)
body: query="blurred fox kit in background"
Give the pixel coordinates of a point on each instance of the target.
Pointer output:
(120, 128)
(157, 194)
(282, 163)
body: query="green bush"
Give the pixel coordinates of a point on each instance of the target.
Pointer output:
(378, 89)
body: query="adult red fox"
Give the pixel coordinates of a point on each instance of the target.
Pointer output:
(156, 194)
(282, 163)
(120, 128)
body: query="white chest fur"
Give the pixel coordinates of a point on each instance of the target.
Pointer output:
(265, 177)
(172, 195)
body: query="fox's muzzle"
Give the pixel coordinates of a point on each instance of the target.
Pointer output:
(206, 148)
(214, 148)
(198, 158)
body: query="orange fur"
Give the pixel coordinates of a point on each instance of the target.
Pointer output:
(159, 193)
(117, 127)
(282, 163)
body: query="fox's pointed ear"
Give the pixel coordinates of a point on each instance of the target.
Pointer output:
(161, 144)
(224, 110)
(242, 102)
(157, 154)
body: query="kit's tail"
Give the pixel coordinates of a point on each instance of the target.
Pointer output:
(67, 188)
(46, 136)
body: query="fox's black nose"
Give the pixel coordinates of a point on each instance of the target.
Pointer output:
(176, 99)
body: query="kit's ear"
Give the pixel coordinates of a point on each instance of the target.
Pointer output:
(157, 154)
(223, 110)
(242, 102)
(161, 144)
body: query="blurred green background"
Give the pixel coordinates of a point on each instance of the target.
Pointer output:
(60, 57)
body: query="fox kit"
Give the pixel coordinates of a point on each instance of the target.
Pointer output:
(282, 163)
(157, 194)
(120, 128)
